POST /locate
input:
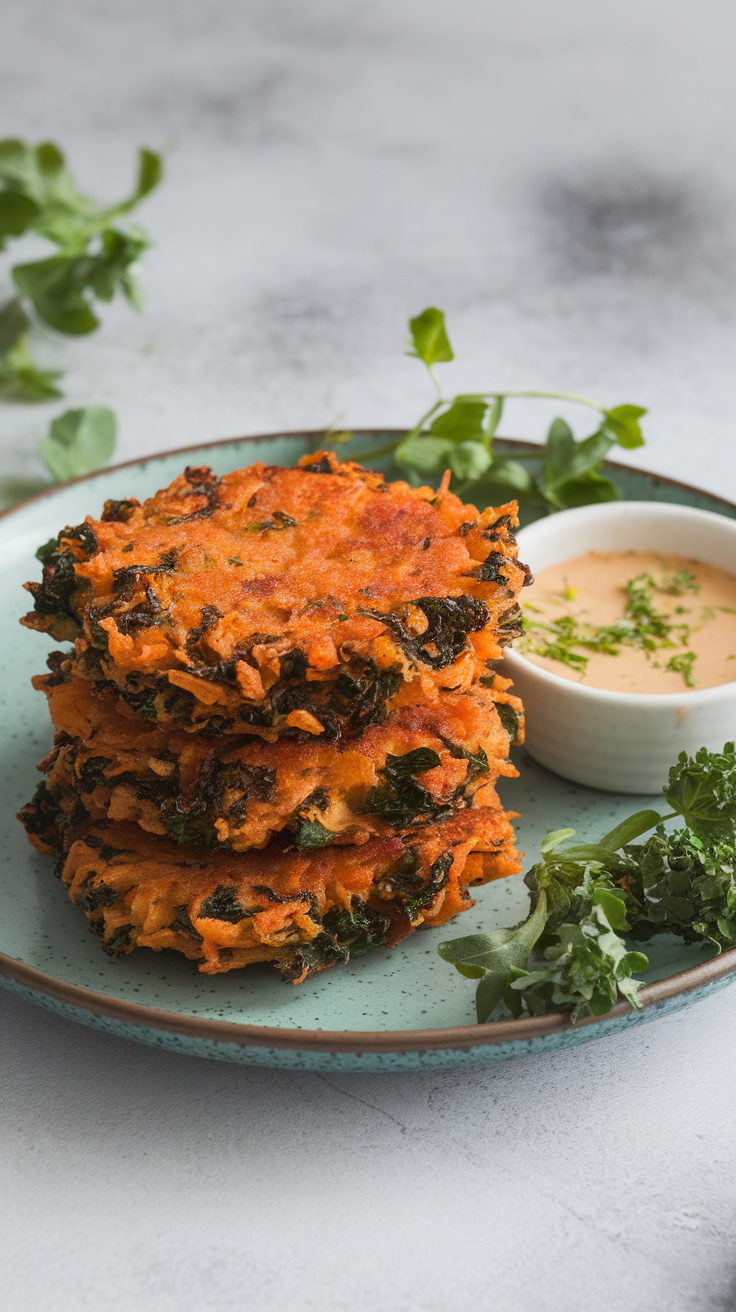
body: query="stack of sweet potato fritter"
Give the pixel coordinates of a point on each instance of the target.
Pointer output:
(279, 728)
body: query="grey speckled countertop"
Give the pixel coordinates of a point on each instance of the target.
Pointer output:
(561, 178)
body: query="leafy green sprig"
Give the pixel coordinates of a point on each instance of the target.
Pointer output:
(458, 434)
(95, 258)
(571, 953)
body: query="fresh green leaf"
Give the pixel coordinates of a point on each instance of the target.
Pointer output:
(425, 455)
(589, 965)
(588, 490)
(702, 789)
(511, 475)
(17, 214)
(61, 287)
(469, 460)
(79, 442)
(494, 416)
(553, 840)
(429, 338)
(622, 423)
(14, 323)
(57, 289)
(462, 420)
(20, 380)
(567, 459)
(150, 174)
(629, 829)
(492, 958)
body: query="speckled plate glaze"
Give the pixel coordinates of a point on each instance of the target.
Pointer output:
(391, 1010)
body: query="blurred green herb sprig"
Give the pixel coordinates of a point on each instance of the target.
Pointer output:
(458, 432)
(95, 257)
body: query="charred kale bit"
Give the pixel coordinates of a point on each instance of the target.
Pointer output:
(95, 895)
(277, 521)
(126, 578)
(276, 898)
(510, 626)
(210, 617)
(439, 873)
(203, 483)
(490, 570)
(119, 941)
(450, 620)
(400, 797)
(363, 699)
(92, 773)
(223, 904)
(182, 924)
(509, 719)
(322, 466)
(312, 833)
(119, 512)
(41, 815)
(477, 761)
(293, 665)
(345, 934)
(52, 596)
(58, 664)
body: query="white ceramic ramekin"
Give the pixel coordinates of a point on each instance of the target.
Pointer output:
(617, 741)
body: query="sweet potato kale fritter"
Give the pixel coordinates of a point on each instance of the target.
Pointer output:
(303, 911)
(425, 761)
(279, 730)
(282, 601)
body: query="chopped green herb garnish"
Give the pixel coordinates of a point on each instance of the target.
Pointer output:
(683, 664)
(571, 953)
(641, 626)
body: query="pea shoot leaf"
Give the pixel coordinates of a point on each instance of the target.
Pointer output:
(587, 490)
(469, 460)
(622, 423)
(94, 261)
(571, 472)
(20, 380)
(463, 419)
(424, 455)
(79, 442)
(17, 214)
(429, 338)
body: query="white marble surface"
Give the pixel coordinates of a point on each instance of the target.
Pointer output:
(560, 177)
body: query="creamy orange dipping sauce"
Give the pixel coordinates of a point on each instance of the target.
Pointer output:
(698, 601)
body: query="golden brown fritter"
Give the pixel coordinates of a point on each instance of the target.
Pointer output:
(279, 730)
(282, 601)
(304, 911)
(423, 762)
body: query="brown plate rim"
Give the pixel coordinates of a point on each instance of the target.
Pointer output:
(459, 1037)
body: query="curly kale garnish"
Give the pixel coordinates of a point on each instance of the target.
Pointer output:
(571, 953)
(702, 789)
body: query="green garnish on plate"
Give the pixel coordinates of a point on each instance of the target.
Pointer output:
(571, 953)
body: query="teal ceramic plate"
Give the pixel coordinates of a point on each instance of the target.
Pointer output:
(391, 1010)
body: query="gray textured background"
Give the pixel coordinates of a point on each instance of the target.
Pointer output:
(560, 176)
